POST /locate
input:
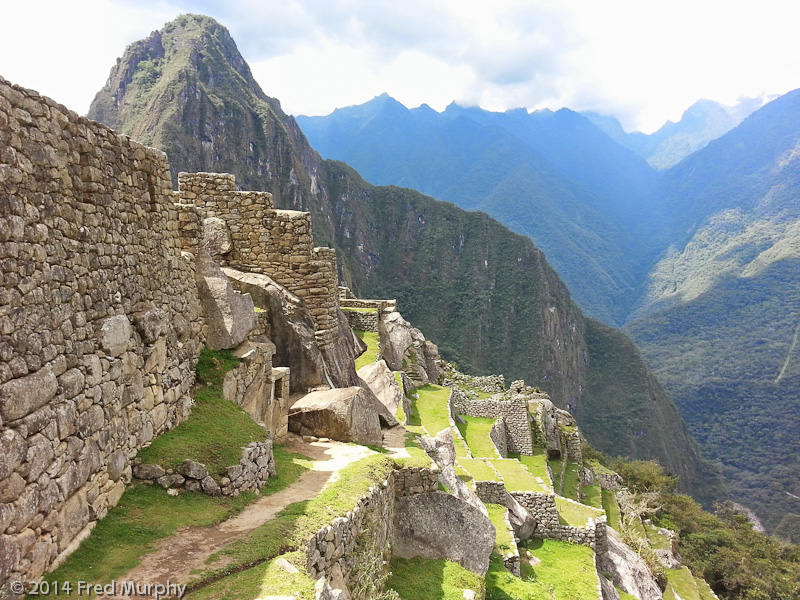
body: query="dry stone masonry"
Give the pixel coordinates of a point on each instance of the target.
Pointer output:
(255, 467)
(99, 322)
(277, 243)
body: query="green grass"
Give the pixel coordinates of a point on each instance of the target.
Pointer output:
(571, 480)
(516, 477)
(479, 470)
(476, 433)
(567, 572)
(592, 496)
(683, 583)
(555, 467)
(291, 527)
(599, 468)
(371, 353)
(267, 578)
(503, 538)
(146, 514)
(537, 466)
(657, 541)
(431, 409)
(418, 456)
(216, 430)
(623, 595)
(426, 579)
(704, 589)
(638, 528)
(612, 510)
(361, 310)
(570, 513)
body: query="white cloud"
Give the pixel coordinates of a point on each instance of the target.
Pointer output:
(644, 62)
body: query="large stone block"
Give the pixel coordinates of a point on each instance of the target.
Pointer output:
(150, 324)
(344, 414)
(230, 316)
(437, 525)
(12, 452)
(114, 334)
(72, 517)
(20, 397)
(216, 236)
(381, 381)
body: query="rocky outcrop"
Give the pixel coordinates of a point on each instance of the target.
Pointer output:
(380, 379)
(403, 347)
(229, 315)
(344, 414)
(438, 525)
(442, 450)
(627, 569)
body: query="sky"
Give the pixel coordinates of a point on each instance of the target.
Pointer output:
(642, 61)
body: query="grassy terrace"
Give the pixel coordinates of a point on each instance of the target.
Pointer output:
(503, 539)
(537, 466)
(612, 510)
(575, 514)
(476, 433)
(555, 468)
(425, 579)
(431, 409)
(371, 353)
(571, 480)
(479, 469)
(516, 476)
(593, 496)
(361, 310)
(682, 583)
(566, 572)
(657, 541)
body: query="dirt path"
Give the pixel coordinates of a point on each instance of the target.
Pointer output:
(176, 557)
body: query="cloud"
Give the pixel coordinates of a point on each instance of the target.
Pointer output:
(643, 62)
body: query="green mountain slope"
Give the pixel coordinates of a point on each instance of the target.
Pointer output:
(720, 318)
(484, 294)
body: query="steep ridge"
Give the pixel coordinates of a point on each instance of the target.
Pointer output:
(485, 294)
(719, 319)
(552, 176)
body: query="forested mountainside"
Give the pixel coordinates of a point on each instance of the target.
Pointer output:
(721, 316)
(554, 177)
(485, 294)
(702, 257)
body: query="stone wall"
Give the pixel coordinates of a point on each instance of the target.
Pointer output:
(515, 417)
(261, 390)
(498, 436)
(99, 323)
(255, 467)
(277, 243)
(491, 492)
(353, 550)
(571, 445)
(347, 300)
(364, 321)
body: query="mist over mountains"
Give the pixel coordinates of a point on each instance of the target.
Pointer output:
(698, 261)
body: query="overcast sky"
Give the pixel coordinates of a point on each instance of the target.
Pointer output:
(643, 61)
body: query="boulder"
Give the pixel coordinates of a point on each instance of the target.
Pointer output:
(114, 334)
(628, 571)
(399, 341)
(229, 315)
(216, 237)
(150, 323)
(437, 525)
(193, 469)
(607, 588)
(380, 379)
(148, 471)
(522, 522)
(344, 414)
(12, 452)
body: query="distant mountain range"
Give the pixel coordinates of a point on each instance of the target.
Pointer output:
(700, 261)
(487, 296)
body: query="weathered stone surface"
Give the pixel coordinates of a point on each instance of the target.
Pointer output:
(607, 588)
(285, 565)
(438, 525)
(148, 471)
(114, 334)
(523, 523)
(216, 237)
(12, 452)
(195, 470)
(116, 464)
(150, 324)
(21, 396)
(11, 487)
(230, 316)
(325, 592)
(73, 517)
(381, 381)
(628, 570)
(345, 414)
